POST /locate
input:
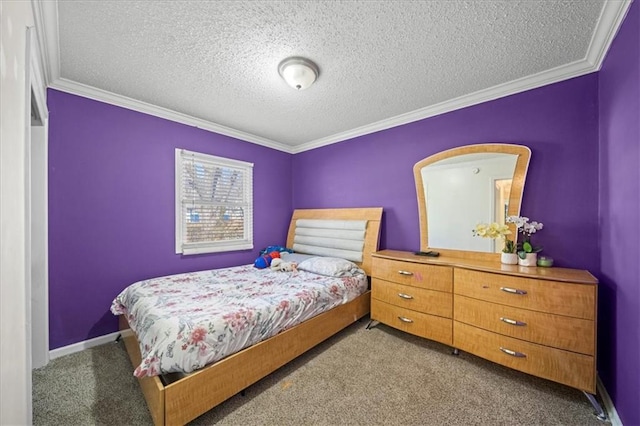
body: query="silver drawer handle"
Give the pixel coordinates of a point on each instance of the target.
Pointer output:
(404, 319)
(405, 273)
(513, 290)
(513, 353)
(512, 322)
(405, 296)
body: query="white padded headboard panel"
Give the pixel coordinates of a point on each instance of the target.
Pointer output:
(334, 238)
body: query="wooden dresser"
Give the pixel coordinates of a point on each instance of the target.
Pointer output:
(413, 297)
(541, 321)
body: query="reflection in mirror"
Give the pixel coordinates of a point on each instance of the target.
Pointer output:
(502, 190)
(459, 188)
(463, 191)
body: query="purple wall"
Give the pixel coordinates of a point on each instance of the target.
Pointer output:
(585, 140)
(111, 195)
(558, 122)
(111, 207)
(619, 316)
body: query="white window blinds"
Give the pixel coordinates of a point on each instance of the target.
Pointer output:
(214, 203)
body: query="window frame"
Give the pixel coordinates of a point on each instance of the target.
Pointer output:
(246, 243)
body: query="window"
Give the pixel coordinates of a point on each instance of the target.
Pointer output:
(214, 203)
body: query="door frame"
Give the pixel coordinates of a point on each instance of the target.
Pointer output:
(37, 249)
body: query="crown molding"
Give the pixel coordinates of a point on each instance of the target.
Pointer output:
(544, 78)
(90, 92)
(611, 17)
(37, 76)
(42, 53)
(46, 17)
(46, 21)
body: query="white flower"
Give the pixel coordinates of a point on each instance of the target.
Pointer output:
(526, 228)
(519, 221)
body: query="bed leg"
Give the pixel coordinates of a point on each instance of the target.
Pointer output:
(118, 338)
(372, 323)
(243, 392)
(455, 351)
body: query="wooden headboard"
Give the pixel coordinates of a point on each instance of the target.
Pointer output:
(373, 216)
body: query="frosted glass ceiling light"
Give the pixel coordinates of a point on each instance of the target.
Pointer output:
(299, 73)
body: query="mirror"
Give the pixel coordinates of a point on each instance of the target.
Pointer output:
(461, 187)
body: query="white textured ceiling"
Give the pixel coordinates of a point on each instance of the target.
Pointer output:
(381, 62)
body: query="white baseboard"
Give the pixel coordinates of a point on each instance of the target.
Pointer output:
(80, 346)
(609, 408)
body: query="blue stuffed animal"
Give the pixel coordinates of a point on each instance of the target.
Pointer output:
(268, 254)
(263, 261)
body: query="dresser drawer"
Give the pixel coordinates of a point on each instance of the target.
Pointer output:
(414, 298)
(414, 274)
(423, 325)
(572, 334)
(569, 368)
(575, 300)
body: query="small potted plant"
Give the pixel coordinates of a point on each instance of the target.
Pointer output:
(527, 252)
(509, 255)
(495, 230)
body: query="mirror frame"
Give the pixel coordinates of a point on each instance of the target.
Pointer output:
(515, 196)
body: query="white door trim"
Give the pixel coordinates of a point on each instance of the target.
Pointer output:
(37, 208)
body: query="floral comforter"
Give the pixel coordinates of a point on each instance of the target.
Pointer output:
(186, 321)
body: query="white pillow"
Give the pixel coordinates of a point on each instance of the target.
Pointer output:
(330, 266)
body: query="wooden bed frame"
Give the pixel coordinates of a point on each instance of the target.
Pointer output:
(184, 400)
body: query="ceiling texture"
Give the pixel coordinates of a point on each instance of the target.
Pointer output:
(214, 64)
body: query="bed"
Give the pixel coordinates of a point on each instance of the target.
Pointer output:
(182, 400)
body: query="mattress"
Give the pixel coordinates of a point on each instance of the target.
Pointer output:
(184, 322)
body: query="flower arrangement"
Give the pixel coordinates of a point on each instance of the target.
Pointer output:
(495, 230)
(527, 229)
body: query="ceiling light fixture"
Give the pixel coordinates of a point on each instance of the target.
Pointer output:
(298, 72)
